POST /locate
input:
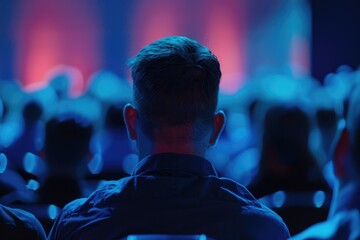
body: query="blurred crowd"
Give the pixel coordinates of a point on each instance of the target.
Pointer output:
(56, 147)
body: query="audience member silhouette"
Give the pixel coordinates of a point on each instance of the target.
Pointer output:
(173, 189)
(287, 164)
(66, 151)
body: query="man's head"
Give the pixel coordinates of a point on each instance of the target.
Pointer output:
(176, 85)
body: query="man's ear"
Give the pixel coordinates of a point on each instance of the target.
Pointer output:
(130, 118)
(341, 151)
(218, 126)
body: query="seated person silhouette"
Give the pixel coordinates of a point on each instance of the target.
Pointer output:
(19, 224)
(28, 139)
(287, 165)
(286, 162)
(66, 149)
(344, 216)
(113, 143)
(173, 189)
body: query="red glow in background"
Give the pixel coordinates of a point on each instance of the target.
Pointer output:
(71, 33)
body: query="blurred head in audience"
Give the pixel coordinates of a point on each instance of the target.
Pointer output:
(114, 117)
(286, 132)
(347, 147)
(346, 153)
(66, 149)
(32, 112)
(66, 144)
(343, 218)
(176, 84)
(286, 162)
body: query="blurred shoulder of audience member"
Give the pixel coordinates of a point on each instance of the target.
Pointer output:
(13, 188)
(19, 224)
(344, 216)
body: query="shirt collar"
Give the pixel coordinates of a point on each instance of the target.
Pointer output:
(191, 164)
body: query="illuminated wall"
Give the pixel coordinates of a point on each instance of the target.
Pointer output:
(218, 24)
(53, 33)
(246, 36)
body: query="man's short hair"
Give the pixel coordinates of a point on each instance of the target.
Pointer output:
(176, 82)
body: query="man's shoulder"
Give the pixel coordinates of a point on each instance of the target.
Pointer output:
(228, 190)
(73, 206)
(86, 211)
(267, 222)
(100, 197)
(247, 207)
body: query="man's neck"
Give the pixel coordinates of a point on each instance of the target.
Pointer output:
(175, 139)
(171, 147)
(178, 148)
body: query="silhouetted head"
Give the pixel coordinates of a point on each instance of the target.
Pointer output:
(176, 85)
(285, 140)
(32, 111)
(66, 144)
(114, 117)
(287, 127)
